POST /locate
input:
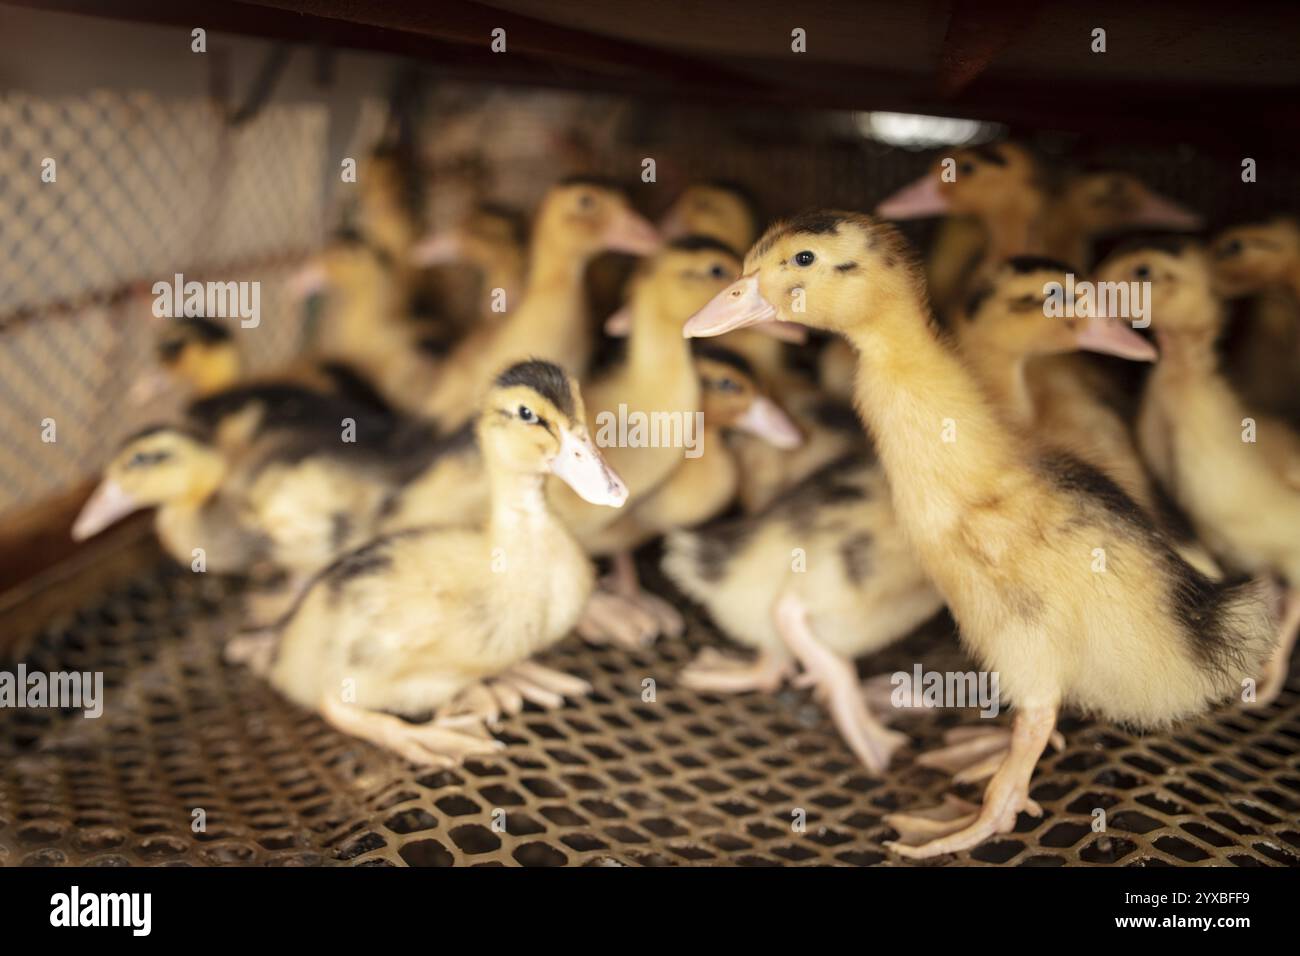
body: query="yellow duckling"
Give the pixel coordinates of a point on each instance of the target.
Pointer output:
(493, 241)
(1005, 530)
(413, 621)
(578, 219)
(178, 472)
(1237, 473)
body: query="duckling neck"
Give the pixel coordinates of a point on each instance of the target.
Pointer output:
(1014, 230)
(1003, 376)
(656, 348)
(518, 507)
(940, 439)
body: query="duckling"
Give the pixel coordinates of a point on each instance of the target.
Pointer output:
(1005, 530)
(1235, 472)
(702, 487)
(1006, 190)
(415, 620)
(1262, 262)
(723, 209)
(831, 546)
(493, 240)
(180, 473)
(578, 219)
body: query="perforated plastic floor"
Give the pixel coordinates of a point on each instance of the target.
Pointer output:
(612, 780)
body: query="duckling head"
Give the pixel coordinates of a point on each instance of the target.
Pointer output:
(731, 398)
(975, 181)
(533, 423)
(725, 210)
(159, 466)
(197, 354)
(1102, 201)
(488, 232)
(1013, 314)
(348, 264)
(1181, 302)
(676, 281)
(1249, 259)
(828, 269)
(582, 217)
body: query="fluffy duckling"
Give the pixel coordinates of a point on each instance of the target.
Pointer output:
(1236, 473)
(701, 488)
(1093, 203)
(1262, 262)
(493, 241)
(178, 472)
(725, 210)
(578, 219)
(823, 575)
(413, 621)
(1007, 532)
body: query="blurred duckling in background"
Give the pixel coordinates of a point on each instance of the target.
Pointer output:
(1236, 472)
(578, 219)
(722, 209)
(1006, 531)
(1262, 262)
(703, 487)
(178, 472)
(493, 241)
(430, 618)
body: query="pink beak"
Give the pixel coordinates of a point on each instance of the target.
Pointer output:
(309, 280)
(628, 232)
(737, 306)
(619, 324)
(766, 420)
(917, 200)
(1112, 337)
(1155, 210)
(436, 249)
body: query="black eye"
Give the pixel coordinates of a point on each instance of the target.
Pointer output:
(1142, 272)
(526, 414)
(804, 258)
(965, 168)
(586, 200)
(1231, 248)
(718, 272)
(728, 385)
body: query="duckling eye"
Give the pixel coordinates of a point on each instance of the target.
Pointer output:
(728, 385)
(526, 414)
(804, 258)
(1142, 272)
(966, 168)
(1231, 248)
(718, 272)
(586, 201)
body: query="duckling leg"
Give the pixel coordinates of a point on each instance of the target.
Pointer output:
(1005, 796)
(836, 681)
(610, 619)
(254, 649)
(1278, 668)
(718, 673)
(975, 753)
(627, 583)
(437, 743)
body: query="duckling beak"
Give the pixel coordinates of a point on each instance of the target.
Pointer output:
(108, 505)
(619, 324)
(917, 200)
(735, 307)
(1157, 211)
(1112, 337)
(673, 224)
(766, 419)
(308, 281)
(436, 249)
(581, 466)
(785, 331)
(147, 388)
(628, 232)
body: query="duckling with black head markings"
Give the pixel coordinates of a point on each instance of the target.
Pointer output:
(180, 473)
(1237, 473)
(1006, 531)
(578, 219)
(414, 620)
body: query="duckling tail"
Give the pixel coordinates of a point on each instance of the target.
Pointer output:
(1231, 625)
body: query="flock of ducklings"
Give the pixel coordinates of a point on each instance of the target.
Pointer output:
(947, 444)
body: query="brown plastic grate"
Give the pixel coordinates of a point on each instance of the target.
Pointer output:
(687, 779)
